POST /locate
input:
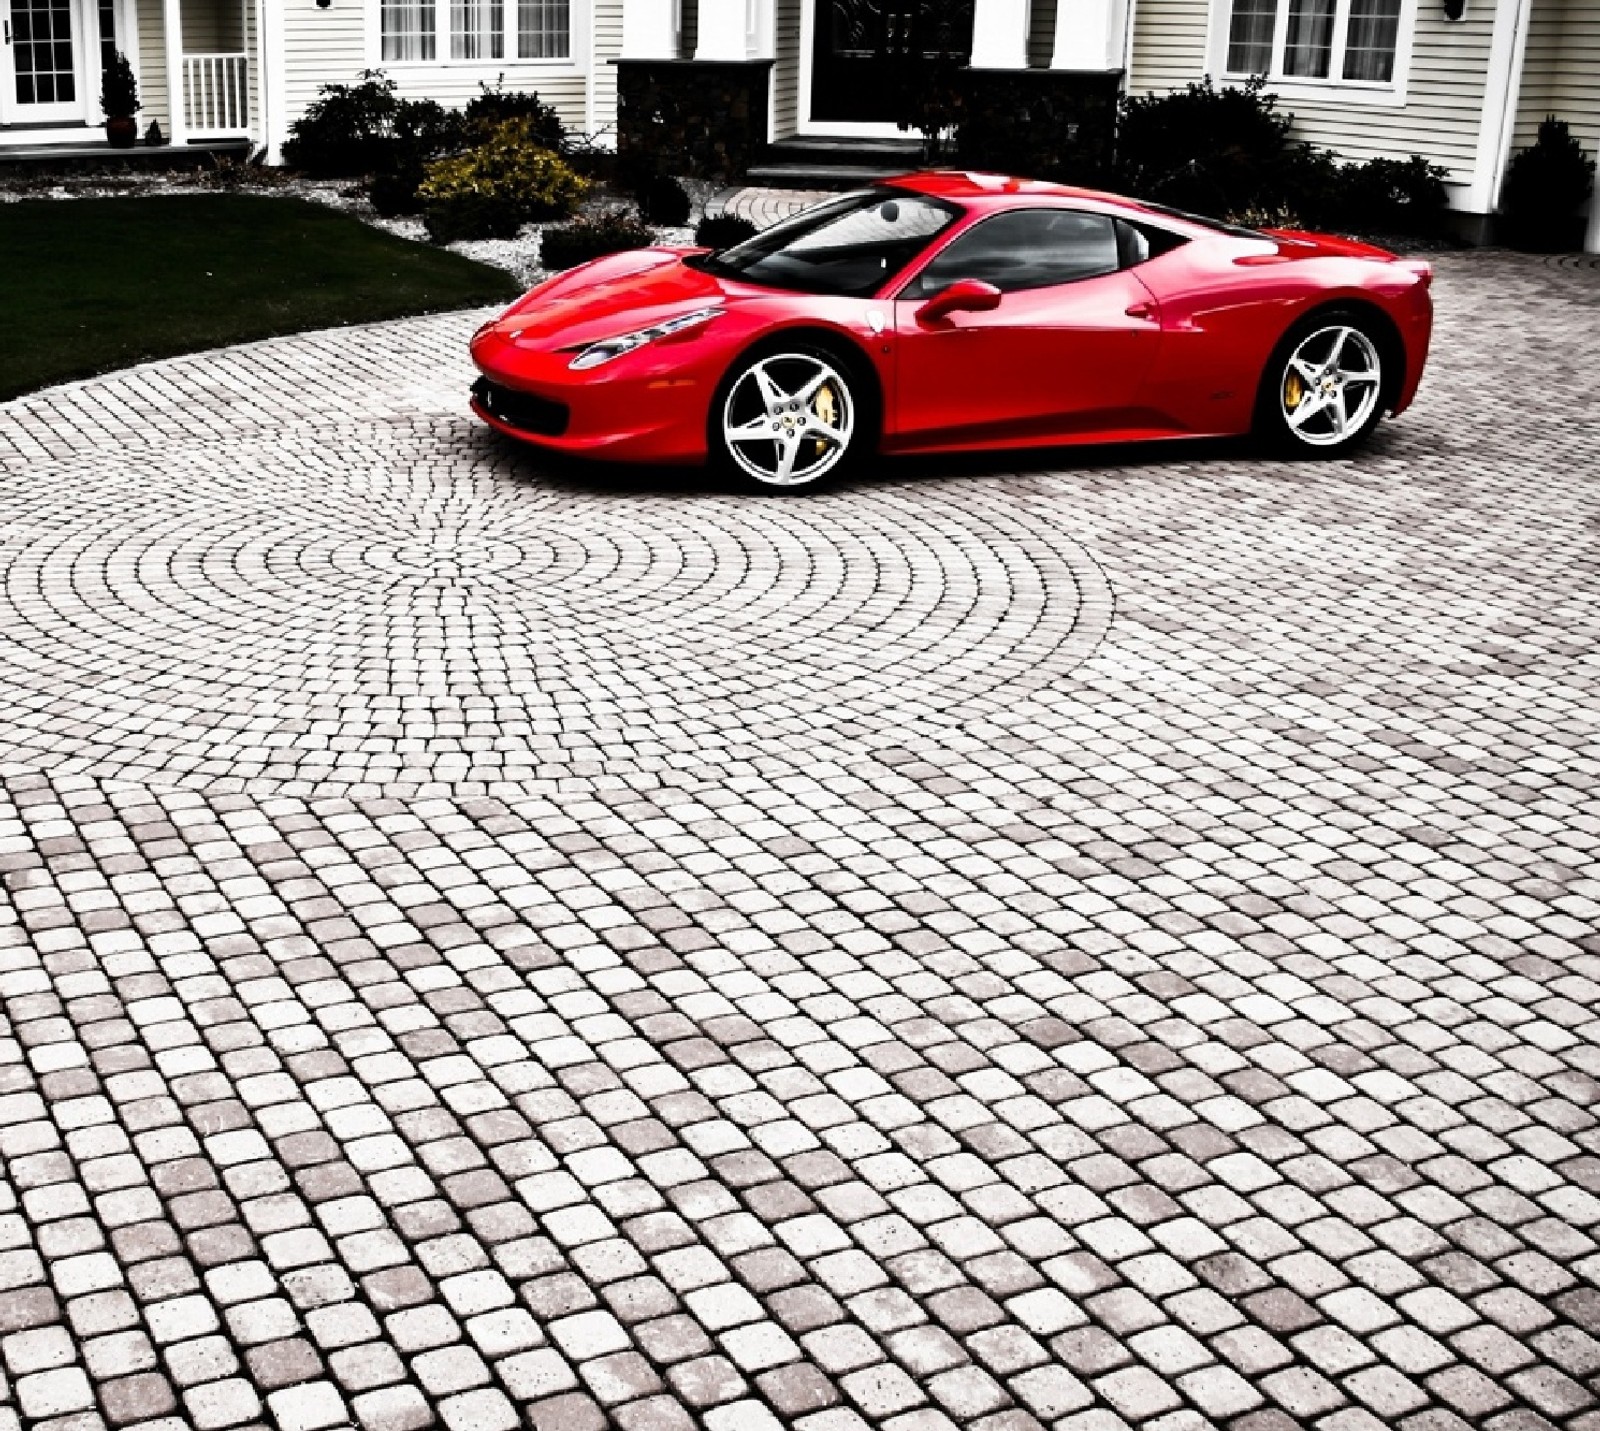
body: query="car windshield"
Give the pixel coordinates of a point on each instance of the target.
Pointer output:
(849, 246)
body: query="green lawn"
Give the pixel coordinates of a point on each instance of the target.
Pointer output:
(87, 285)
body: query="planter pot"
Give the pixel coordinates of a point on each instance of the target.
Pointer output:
(122, 132)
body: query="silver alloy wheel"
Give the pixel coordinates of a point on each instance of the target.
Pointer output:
(788, 419)
(1330, 385)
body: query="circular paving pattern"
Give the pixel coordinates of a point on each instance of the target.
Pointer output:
(393, 605)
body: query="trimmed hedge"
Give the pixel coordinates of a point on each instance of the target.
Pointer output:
(724, 231)
(586, 238)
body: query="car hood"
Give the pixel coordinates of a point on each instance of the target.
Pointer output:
(612, 295)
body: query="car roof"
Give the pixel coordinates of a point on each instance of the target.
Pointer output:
(972, 186)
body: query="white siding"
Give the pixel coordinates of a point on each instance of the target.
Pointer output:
(1169, 44)
(1561, 75)
(153, 67)
(607, 46)
(212, 27)
(786, 71)
(1041, 34)
(1444, 97)
(320, 47)
(334, 45)
(252, 47)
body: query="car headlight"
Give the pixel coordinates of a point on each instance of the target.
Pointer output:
(608, 348)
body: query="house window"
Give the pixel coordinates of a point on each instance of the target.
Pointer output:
(408, 29)
(1341, 40)
(478, 29)
(544, 29)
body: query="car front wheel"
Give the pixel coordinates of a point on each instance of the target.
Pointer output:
(1324, 387)
(787, 418)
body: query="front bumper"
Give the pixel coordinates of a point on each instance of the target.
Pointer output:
(647, 407)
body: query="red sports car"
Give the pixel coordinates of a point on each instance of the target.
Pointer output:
(950, 311)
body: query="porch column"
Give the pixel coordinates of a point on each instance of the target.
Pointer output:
(735, 30)
(172, 34)
(1000, 34)
(1089, 35)
(649, 29)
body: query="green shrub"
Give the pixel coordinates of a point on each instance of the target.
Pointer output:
(420, 130)
(1228, 152)
(345, 130)
(491, 108)
(662, 200)
(1216, 151)
(1305, 190)
(1393, 196)
(724, 231)
(1544, 188)
(472, 216)
(587, 238)
(393, 189)
(501, 183)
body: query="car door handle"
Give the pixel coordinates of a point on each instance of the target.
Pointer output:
(1141, 310)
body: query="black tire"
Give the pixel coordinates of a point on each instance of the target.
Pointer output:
(1326, 386)
(818, 428)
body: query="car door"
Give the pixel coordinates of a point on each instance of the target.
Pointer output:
(1064, 352)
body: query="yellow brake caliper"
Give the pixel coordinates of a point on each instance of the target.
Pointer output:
(1294, 390)
(826, 407)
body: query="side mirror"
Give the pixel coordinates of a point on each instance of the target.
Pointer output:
(965, 295)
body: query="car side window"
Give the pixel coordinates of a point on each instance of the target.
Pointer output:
(1027, 248)
(1139, 243)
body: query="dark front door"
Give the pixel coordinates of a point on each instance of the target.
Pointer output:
(873, 56)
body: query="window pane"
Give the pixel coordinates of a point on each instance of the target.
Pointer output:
(477, 29)
(1369, 46)
(408, 29)
(1250, 36)
(1035, 248)
(1308, 43)
(544, 29)
(108, 32)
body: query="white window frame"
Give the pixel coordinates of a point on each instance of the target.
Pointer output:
(575, 62)
(1380, 94)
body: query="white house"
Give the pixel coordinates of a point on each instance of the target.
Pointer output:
(1463, 82)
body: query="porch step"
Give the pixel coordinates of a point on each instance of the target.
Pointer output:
(834, 163)
(90, 157)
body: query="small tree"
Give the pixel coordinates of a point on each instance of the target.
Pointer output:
(119, 94)
(1544, 188)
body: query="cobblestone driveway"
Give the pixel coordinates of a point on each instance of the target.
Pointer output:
(1101, 945)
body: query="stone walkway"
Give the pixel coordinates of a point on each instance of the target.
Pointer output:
(1081, 944)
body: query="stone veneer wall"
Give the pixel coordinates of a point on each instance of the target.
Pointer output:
(706, 118)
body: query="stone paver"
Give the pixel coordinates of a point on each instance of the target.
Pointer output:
(1040, 943)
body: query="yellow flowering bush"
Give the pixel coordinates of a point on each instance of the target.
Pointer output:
(501, 183)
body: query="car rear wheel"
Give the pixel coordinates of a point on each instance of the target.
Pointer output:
(787, 418)
(1323, 390)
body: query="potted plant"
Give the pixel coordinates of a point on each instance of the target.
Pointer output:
(119, 99)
